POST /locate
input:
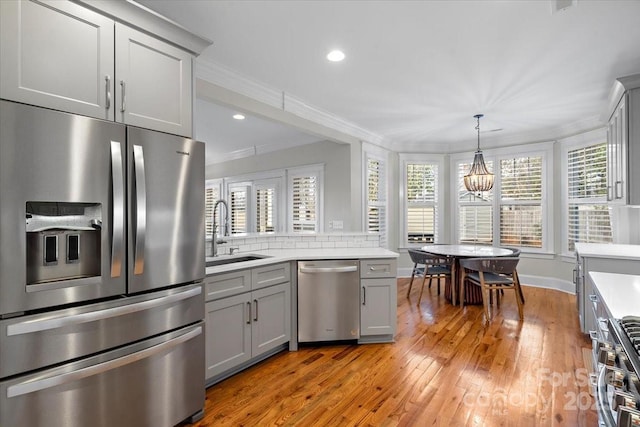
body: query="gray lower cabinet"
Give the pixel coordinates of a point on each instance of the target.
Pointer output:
(378, 300)
(228, 333)
(584, 286)
(243, 328)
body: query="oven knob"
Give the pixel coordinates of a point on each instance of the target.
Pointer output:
(628, 417)
(607, 357)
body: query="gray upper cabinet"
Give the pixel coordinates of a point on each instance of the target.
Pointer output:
(64, 56)
(153, 83)
(623, 141)
(57, 55)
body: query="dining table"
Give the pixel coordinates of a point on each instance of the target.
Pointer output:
(456, 252)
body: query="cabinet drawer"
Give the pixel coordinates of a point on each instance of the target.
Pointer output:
(227, 284)
(377, 268)
(270, 275)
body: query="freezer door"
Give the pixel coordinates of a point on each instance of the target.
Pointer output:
(156, 382)
(166, 215)
(33, 342)
(62, 208)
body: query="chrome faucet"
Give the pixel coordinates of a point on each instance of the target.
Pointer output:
(215, 241)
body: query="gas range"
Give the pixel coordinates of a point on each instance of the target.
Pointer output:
(618, 383)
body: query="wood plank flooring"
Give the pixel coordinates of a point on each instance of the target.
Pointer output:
(445, 369)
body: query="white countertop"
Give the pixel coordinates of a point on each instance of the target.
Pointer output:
(284, 255)
(620, 292)
(605, 250)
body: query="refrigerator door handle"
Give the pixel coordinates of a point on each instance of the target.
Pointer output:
(31, 326)
(117, 230)
(45, 383)
(141, 209)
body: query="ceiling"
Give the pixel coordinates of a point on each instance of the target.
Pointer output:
(416, 72)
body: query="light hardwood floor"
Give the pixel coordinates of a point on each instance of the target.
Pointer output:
(445, 369)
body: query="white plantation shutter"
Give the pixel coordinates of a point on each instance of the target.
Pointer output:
(421, 201)
(304, 207)
(211, 195)
(588, 214)
(521, 201)
(377, 199)
(238, 207)
(475, 210)
(265, 210)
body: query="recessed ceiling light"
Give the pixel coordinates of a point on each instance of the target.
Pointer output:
(335, 56)
(238, 116)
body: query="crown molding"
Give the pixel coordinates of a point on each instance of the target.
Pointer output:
(221, 76)
(494, 141)
(146, 20)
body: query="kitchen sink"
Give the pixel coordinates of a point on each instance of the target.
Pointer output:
(233, 260)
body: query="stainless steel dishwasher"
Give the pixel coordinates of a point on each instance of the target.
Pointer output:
(328, 300)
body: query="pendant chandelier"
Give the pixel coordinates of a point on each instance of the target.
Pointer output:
(479, 178)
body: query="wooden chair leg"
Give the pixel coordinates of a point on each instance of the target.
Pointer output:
(424, 278)
(519, 299)
(515, 275)
(413, 274)
(485, 301)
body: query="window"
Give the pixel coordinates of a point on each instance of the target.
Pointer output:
(211, 195)
(420, 199)
(521, 201)
(305, 197)
(515, 211)
(587, 211)
(266, 206)
(239, 208)
(475, 210)
(376, 198)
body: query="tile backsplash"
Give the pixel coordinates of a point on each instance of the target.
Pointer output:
(296, 241)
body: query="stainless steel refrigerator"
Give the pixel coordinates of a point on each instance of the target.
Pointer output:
(101, 269)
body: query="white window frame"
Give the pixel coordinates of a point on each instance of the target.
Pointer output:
(594, 137)
(371, 152)
(411, 158)
(253, 181)
(316, 170)
(245, 186)
(217, 186)
(264, 184)
(544, 150)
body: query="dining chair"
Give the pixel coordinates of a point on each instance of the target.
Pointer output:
(430, 266)
(515, 252)
(493, 275)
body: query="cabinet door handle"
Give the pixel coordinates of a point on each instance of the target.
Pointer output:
(107, 88)
(255, 318)
(248, 312)
(575, 276)
(123, 92)
(364, 296)
(609, 195)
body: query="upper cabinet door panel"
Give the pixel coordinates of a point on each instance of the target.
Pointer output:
(57, 55)
(154, 83)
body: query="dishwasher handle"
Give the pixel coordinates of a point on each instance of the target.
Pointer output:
(349, 269)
